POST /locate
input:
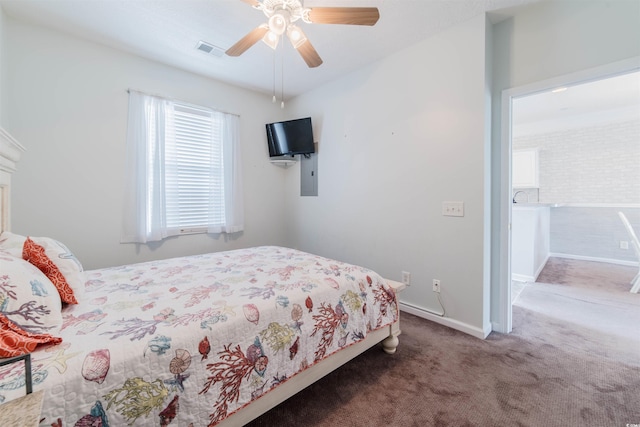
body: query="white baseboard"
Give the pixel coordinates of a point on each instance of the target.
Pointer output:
(446, 321)
(588, 258)
(522, 278)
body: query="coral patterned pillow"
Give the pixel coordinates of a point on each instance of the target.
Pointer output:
(36, 255)
(66, 262)
(28, 299)
(57, 252)
(14, 341)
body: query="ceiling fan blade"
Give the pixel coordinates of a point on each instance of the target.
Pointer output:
(247, 41)
(309, 54)
(344, 15)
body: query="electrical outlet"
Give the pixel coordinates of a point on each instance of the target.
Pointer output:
(624, 244)
(436, 285)
(453, 208)
(406, 278)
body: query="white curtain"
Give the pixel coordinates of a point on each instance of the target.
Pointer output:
(233, 201)
(144, 208)
(144, 180)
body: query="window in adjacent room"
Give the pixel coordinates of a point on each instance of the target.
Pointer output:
(183, 170)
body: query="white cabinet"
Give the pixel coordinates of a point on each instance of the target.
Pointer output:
(524, 168)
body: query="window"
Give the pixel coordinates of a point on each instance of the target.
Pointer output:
(194, 176)
(183, 170)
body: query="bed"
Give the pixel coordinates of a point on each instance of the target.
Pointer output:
(211, 339)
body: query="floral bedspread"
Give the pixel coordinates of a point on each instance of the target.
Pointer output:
(188, 341)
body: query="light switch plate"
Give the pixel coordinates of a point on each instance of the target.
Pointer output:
(453, 208)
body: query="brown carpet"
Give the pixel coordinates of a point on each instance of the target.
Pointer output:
(548, 372)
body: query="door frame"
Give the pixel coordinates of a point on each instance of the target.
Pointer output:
(504, 320)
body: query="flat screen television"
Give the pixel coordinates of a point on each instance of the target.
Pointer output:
(290, 137)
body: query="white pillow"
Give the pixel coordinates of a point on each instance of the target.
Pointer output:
(58, 253)
(28, 298)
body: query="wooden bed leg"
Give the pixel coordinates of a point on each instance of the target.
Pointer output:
(390, 344)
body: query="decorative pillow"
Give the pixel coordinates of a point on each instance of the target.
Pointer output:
(28, 299)
(61, 256)
(35, 254)
(14, 341)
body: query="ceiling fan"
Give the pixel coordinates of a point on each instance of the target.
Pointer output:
(281, 16)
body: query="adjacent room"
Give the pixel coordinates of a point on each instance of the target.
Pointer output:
(576, 187)
(276, 212)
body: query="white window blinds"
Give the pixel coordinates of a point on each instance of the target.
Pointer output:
(194, 170)
(188, 178)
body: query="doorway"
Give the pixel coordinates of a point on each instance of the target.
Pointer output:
(538, 106)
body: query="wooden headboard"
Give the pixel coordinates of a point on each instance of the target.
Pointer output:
(10, 152)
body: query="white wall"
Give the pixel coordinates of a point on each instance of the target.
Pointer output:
(2, 67)
(69, 109)
(395, 139)
(540, 42)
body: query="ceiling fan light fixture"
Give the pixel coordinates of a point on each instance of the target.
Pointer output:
(296, 35)
(278, 22)
(271, 39)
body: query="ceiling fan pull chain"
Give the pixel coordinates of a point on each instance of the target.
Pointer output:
(273, 100)
(282, 76)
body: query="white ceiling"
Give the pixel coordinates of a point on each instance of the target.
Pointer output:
(612, 99)
(168, 31)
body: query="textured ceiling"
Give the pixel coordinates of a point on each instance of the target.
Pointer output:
(168, 31)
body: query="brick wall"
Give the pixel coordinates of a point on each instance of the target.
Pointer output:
(598, 165)
(592, 164)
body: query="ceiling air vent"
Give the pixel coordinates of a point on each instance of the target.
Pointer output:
(210, 49)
